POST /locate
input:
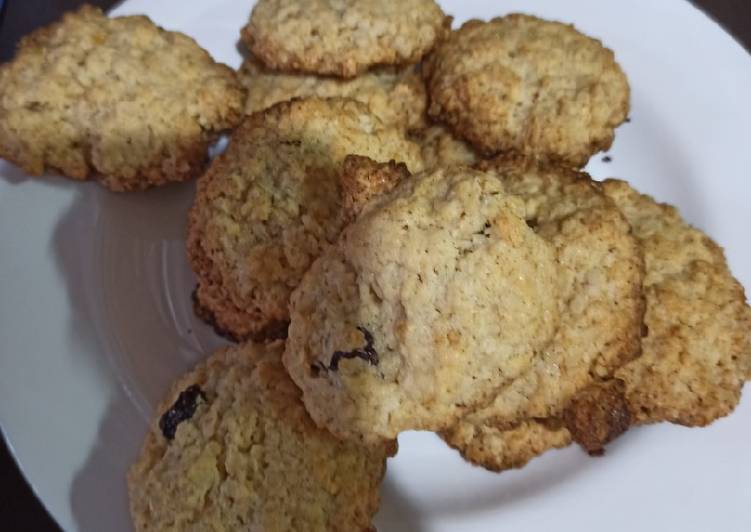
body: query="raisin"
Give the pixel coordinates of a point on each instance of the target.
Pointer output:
(367, 353)
(183, 409)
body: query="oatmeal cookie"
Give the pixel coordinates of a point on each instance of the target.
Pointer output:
(232, 448)
(523, 84)
(343, 37)
(435, 297)
(119, 100)
(697, 345)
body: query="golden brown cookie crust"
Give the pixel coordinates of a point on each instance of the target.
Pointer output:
(343, 37)
(601, 307)
(267, 207)
(598, 415)
(520, 83)
(364, 179)
(232, 448)
(437, 295)
(396, 96)
(697, 345)
(115, 99)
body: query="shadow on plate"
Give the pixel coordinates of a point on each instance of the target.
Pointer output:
(553, 470)
(99, 498)
(397, 513)
(122, 260)
(98, 495)
(13, 175)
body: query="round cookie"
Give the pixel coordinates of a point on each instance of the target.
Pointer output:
(232, 448)
(442, 149)
(343, 37)
(697, 345)
(435, 297)
(268, 206)
(397, 97)
(523, 84)
(119, 100)
(601, 308)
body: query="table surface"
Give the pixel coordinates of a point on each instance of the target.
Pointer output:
(19, 509)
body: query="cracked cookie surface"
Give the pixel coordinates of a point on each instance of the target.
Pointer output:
(696, 352)
(437, 295)
(248, 456)
(696, 345)
(601, 308)
(119, 100)
(267, 207)
(523, 84)
(343, 37)
(696, 336)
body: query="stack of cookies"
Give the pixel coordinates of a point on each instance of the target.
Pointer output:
(399, 236)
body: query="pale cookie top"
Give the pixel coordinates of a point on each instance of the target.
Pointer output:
(523, 84)
(696, 353)
(232, 448)
(601, 307)
(268, 206)
(120, 100)
(397, 97)
(343, 37)
(435, 297)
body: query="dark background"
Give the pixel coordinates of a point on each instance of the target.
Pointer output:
(19, 509)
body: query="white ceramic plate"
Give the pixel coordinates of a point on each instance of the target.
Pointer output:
(96, 320)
